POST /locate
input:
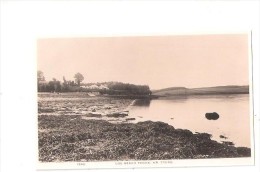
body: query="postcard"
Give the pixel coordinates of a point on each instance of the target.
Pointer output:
(144, 101)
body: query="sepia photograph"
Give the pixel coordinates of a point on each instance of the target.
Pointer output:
(135, 98)
(129, 86)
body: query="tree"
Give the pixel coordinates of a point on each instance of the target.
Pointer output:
(57, 86)
(40, 76)
(78, 78)
(64, 81)
(54, 86)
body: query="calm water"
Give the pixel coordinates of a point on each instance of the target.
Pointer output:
(189, 113)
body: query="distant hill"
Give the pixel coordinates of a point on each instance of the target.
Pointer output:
(173, 91)
(170, 91)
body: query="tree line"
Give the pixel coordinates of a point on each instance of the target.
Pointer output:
(120, 88)
(114, 88)
(57, 86)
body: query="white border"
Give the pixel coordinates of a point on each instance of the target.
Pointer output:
(23, 22)
(149, 164)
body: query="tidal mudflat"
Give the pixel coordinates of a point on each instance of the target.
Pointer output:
(112, 109)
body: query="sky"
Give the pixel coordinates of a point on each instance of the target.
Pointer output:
(190, 61)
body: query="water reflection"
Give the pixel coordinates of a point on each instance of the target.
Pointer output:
(175, 98)
(189, 113)
(142, 102)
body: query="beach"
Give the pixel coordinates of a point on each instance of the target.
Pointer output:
(68, 132)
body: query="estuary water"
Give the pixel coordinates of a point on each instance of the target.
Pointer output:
(233, 124)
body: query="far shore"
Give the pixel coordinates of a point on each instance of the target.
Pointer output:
(153, 96)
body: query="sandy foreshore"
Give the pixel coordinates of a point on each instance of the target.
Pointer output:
(72, 138)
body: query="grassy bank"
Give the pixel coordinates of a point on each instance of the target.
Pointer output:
(71, 138)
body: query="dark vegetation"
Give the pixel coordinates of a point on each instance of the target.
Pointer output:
(114, 88)
(71, 138)
(119, 88)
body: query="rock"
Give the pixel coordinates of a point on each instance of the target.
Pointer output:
(45, 110)
(107, 106)
(94, 114)
(92, 108)
(222, 137)
(130, 119)
(212, 116)
(118, 114)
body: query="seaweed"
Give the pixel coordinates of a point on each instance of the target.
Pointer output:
(71, 138)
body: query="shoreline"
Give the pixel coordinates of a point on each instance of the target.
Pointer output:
(149, 97)
(71, 138)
